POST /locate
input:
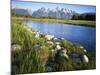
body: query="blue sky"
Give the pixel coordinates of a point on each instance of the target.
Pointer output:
(37, 5)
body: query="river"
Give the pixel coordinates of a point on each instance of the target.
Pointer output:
(85, 36)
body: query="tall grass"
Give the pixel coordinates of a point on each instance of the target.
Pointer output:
(28, 59)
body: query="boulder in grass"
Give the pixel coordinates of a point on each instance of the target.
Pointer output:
(58, 47)
(85, 59)
(85, 50)
(57, 43)
(63, 52)
(50, 43)
(15, 47)
(36, 46)
(62, 39)
(81, 47)
(49, 69)
(37, 35)
(52, 50)
(64, 55)
(49, 37)
(56, 39)
(42, 35)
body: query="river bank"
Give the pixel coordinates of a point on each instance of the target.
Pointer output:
(64, 21)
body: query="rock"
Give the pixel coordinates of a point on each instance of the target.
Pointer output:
(41, 35)
(85, 50)
(62, 39)
(34, 32)
(56, 40)
(49, 69)
(58, 47)
(49, 37)
(36, 46)
(81, 47)
(57, 43)
(29, 30)
(64, 55)
(37, 35)
(15, 47)
(52, 50)
(63, 52)
(50, 42)
(85, 59)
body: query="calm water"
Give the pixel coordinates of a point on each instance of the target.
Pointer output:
(85, 36)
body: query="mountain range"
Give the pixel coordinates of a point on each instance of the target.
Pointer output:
(43, 12)
(57, 13)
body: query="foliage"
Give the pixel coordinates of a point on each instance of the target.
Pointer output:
(91, 17)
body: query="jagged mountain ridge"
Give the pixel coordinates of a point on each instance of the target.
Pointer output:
(57, 13)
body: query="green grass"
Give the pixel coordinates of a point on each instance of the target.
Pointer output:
(28, 59)
(64, 21)
(31, 60)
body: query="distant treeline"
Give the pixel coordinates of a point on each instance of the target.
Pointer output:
(87, 16)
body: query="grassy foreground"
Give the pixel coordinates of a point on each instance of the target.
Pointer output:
(64, 21)
(31, 60)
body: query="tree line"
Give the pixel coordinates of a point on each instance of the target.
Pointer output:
(89, 16)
